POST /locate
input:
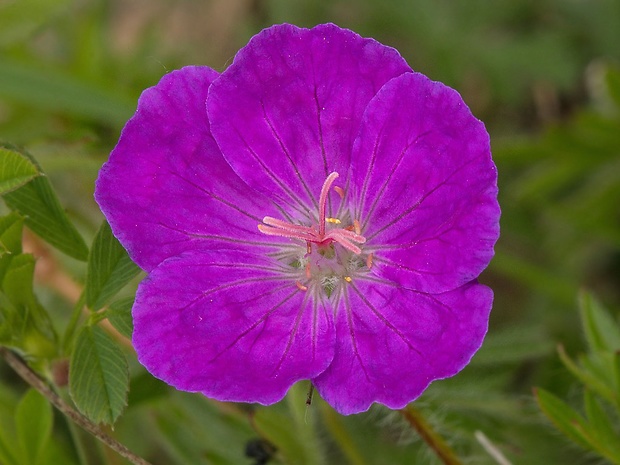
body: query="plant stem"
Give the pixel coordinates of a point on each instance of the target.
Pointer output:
(40, 385)
(430, 436)
(340, 434)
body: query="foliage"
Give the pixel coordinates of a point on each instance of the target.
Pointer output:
(543, 76)
(599, 371)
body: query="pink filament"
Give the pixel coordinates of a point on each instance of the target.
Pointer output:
(344, 237)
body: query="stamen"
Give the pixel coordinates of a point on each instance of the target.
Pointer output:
(369, 261)
(283, 224)
(284, 233)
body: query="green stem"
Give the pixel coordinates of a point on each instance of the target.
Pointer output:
(40, 385)
(417, 421)
(296, 400)
(341, 435)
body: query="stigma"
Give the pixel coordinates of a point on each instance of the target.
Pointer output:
(350, 237)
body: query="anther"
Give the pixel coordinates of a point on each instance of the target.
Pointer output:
(300, 286)
(369, 261)
(339, 191)
(348, 279)
(332, 220)
(356, 227)
(308, 274)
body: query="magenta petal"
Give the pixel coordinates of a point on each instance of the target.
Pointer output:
(286, 112)
(166, 187)
(231, 325)
(425, 186)
(393, 342)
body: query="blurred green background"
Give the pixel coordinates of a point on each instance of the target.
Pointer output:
(544, 76)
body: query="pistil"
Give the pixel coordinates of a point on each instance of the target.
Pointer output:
(343, 236)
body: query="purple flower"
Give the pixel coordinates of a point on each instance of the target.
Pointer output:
(323, 216)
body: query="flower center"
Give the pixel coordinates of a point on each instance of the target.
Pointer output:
(332, 253)
(343, 236)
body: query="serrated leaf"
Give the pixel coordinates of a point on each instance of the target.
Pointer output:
(15, 170)
(98, 376)
(119, 315)
(33, 419)
(602, 331)
(109, 269)
(38, 203)
(563, 417)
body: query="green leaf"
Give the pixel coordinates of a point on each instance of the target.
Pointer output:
(119, 315)
(26, 324)
(98, 376)
(10, 240)
(11, 233)
(608, 440)
(602, 332)
(612, 79)
(38, 203)
(33, 420)
(109, 269)
(60, 92)
(6, 451)
(18, 19)
(15, 170)
(590, 379)
(563, 417)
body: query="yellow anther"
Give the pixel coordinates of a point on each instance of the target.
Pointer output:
(348, 279)
(332, 220)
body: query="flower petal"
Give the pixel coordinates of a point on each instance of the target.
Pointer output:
(393, 342)
(425, 186)
(166, 187)
(231, 325)
(286, 112)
